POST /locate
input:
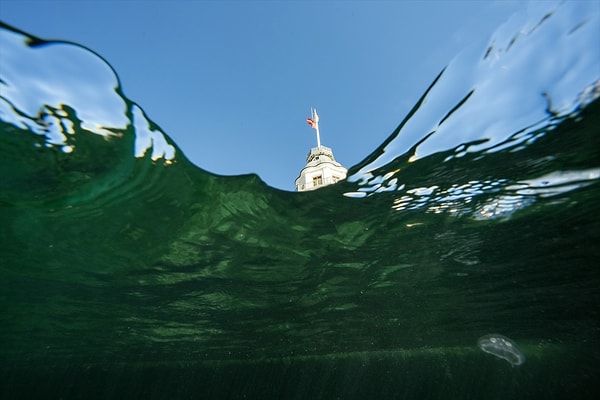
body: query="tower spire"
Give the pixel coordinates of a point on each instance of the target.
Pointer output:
(321, 168)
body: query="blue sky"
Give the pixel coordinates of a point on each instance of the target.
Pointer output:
(232, 82)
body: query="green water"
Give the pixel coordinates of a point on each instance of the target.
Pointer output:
(124, 276)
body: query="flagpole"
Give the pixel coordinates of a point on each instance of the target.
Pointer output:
(316, 119)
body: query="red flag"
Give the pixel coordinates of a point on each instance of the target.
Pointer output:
(311, 123)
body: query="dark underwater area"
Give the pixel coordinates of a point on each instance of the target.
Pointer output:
(128, 272)
(260, 293)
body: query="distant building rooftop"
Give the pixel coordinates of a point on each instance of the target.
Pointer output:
(321, 170)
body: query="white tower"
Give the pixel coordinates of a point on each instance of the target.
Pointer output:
(321, 168)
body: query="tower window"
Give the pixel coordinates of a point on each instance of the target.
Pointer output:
(318, 180)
